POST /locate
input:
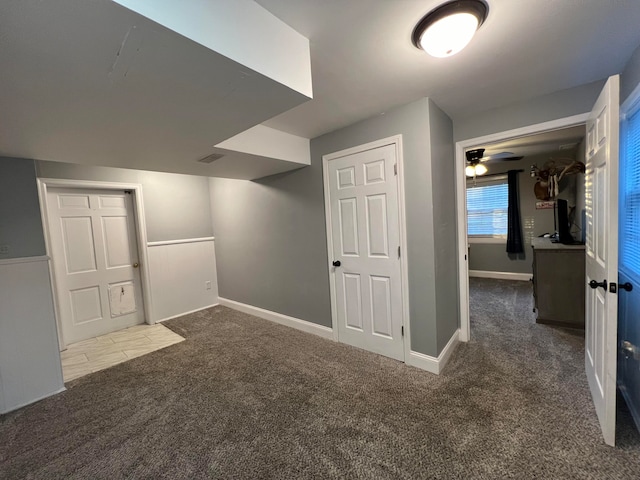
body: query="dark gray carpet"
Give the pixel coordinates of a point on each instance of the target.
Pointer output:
(245, 398)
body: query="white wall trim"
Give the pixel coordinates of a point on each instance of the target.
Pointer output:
(42, 397)
(395, 140)
(141, 233)
(183, 240)
(487, 240)
(501, 275)
(187, 313)
(11, 261)
(308, 327)
(461, 200)
(27, 318)
(183, 277)
(434, 364)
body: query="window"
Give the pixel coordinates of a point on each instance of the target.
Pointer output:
(487, 207)
(630, 195)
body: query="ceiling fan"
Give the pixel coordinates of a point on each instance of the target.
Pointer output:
(476, 157)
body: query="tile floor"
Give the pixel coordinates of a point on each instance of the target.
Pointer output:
(102, 352)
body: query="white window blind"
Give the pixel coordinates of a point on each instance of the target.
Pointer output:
(487, 207)
(630, 196)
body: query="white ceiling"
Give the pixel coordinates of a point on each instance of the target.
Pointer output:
(547, 143)
(96, 83)
(363, 61)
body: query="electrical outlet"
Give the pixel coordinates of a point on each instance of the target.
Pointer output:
(4, 249)
(207, 285)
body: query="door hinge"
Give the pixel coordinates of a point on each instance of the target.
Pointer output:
(402, 330)
(398, 251)
(395, 169)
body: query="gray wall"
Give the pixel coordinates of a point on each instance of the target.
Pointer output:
(20, 223)
(271, 243)
(493, 257)
(630, 77)
(176, 206)
(564, 103)
(271, 239)
(444, 223)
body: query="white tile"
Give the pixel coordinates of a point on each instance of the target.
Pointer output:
(104, 340)
(108, 361)
(83, 343)
(76, 371)
(97, 354)
(108, 350)
(125, 336)
(78, 359)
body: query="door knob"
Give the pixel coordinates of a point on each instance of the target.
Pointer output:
(629, 350)
(626, 286)
(594, 284)
(336, 263)
(136, 265)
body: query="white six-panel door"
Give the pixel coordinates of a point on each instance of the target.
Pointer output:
(95, 256)
(601, 205)
(364, 219)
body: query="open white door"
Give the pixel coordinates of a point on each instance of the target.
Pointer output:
(601, 314)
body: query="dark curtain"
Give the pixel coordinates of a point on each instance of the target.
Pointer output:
(514, 229)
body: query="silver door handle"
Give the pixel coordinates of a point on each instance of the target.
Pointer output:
(629, 350)
(136, 265)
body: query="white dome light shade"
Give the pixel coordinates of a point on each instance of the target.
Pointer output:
(450, 27)
(481, 169)
(448, 36)
(473, 170)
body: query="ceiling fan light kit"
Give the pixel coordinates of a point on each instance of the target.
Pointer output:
(474, 167)
(449, 28)
(473, 170)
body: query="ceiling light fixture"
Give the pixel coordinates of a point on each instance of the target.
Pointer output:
(473, 170)
(474, 167)
(447, 29)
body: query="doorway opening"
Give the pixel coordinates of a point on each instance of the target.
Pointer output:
(535, 145)
(601, 248)
(544, 208)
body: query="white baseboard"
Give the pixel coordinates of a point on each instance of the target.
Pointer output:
(187, 313)
(434, 364)
(34, 400)
(501, 275)
(322, 331)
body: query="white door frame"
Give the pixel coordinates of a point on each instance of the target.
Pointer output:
(141, 235)
(396, 141)
(461, 200)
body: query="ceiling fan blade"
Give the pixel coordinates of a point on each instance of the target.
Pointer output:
(498, 156)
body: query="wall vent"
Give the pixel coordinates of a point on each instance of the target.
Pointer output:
(211, 158)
